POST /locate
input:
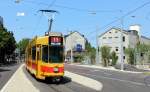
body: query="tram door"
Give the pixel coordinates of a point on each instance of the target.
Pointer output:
(38, 58)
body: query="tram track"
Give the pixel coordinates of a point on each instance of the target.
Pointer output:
(64, 86)
(70, 87)
(61, 88)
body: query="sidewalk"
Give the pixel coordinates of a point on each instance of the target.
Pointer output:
(19, 83)
(105, 68)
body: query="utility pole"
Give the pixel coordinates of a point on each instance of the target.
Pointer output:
(97, 47)
(71, 52)
(121, 51)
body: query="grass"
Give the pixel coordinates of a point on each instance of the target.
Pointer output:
(146, 73)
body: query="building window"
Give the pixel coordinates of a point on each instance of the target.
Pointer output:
(109, 37)
(142, 54)
(117, 49)
(104, 37)
(116, 31)
(124, 48)
(124, 57)
(116, 37)
(110, 32)
(123, 39)
(33, 53)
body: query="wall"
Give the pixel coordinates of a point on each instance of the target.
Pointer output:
(72, 40)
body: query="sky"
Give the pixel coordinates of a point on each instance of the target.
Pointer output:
(89, 17)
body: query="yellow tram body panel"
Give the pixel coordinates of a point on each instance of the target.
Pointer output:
(42, 40)
(35, 52)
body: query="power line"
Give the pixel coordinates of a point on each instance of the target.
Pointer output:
(86, 10)
(128, 13)
(70, 8)
(51, 4)
(38, 23)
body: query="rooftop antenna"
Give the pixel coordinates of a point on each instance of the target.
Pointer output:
(50, 15)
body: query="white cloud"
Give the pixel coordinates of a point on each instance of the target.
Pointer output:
(20, 14)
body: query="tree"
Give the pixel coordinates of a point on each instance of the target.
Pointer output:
(114, 58)
(148, 53)
(130, 53)
(23, 44)
(143, 49)
(78, 58)
(7, 43)
(90, 52)
(93, 55)
(105, 54)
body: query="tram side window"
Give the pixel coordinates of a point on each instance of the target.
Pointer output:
(29, 53)
(39, 53)
(45, 53)
(33, 53)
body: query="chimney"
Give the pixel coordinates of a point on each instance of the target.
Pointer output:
(135, 29)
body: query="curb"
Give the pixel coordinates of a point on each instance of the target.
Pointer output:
(99, 67)
(85, 81)
(13, 76)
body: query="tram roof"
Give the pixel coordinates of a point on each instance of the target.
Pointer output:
(53, 34)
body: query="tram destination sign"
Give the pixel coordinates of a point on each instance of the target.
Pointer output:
(55, 40)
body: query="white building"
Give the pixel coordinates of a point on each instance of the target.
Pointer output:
(74, 41)
(112, 38)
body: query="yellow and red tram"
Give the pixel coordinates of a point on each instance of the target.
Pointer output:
(45, 56)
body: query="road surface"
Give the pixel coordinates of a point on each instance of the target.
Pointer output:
(114, 81)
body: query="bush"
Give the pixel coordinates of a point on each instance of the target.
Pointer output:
(114, 58)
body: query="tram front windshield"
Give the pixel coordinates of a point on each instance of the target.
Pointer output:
(52, 54)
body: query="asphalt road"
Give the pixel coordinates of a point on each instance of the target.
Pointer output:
(114, 81)
(65, 86)
(6, 72)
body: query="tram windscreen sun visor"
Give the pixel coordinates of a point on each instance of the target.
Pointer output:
(54, 40)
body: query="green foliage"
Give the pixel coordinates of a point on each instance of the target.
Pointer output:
(7, 43)
(105, 54)
(90, 52)
(130, 53)
(78, 58)
(145, 50)
(142, 48)
(114, 58)
(23, 44)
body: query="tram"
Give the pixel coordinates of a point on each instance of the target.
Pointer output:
(44, 56)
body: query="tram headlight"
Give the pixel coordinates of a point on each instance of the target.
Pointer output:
(55, 69)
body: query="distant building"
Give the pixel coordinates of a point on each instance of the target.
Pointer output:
(74, 41)
(145, 40)
(1, 21)
(112, 38)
